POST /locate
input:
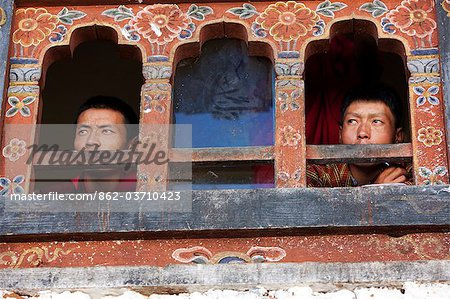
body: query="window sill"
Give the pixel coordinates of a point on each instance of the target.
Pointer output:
(254, 210)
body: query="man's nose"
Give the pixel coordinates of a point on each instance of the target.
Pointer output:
(364, 131)
(93, 140)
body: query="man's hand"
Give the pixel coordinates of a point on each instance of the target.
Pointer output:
(392, 174)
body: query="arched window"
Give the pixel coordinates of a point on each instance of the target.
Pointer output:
(226, 93)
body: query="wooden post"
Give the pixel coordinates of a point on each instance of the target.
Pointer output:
(155, 115)
(290, 142)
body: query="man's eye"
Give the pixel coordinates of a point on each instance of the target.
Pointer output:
(82, 132)
(377, 121)
(107, 131)
(352, 121)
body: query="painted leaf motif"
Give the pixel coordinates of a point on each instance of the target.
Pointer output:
(433, 89)
(68, 16)
(323, 5)
(338, 6)
(427, 182)
(205, 10)
(237, 11)
(13, 101)
(11, 112)
(19, 179)
(376, 8)
(378, 13)
(120, 18)
(198, 16)
(418, 90)
(433, 100)
(246, 15)
(369, 7)
(4, 192)
(248, 6)
(424, 172)
(192, 9)
(18, 190)
(380, 4)
(420, 101)
(125, 10)
(119, 14)
(29, 100)
(441, 170)
(25, 111)
(4, 182)
(63, 12)
(326, 13)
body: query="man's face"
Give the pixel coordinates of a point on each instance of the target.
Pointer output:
(103, 129)
(369, 122)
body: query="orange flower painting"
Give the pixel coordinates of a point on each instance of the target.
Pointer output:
(287, 21)
(414, 17)
(160, 23)
(34, 25)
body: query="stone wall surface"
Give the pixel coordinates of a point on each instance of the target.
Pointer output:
(408, 290)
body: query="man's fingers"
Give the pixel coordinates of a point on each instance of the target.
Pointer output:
(392, 175)
(400, 179)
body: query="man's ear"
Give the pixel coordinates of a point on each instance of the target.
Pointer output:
(399, 135)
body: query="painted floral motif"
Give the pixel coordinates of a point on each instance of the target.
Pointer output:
(430, 136)
(446, 6)
(289, 101)
(432, 176)
(19, 106)
(160, 23)
(287, 21)
(201, 255)
(286, 177)
(14, 150)
(414, 18)
(12, 187)
(155, 103)
(290, 136)
(426, 95)
(34, 25)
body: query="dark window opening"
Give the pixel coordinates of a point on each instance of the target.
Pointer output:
(92, 64)
(352, 57)
(226, 95)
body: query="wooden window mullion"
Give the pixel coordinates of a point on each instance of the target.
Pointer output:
(155, 115)
(290, 143)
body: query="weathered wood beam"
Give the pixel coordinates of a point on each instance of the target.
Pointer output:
(323, 154)
(195, 278)
(259, 209)
(319, 154)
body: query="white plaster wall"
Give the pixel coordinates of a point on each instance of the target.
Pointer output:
(409, 290)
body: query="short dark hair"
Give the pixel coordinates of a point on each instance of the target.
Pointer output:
(111, 103)
(375, 93)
